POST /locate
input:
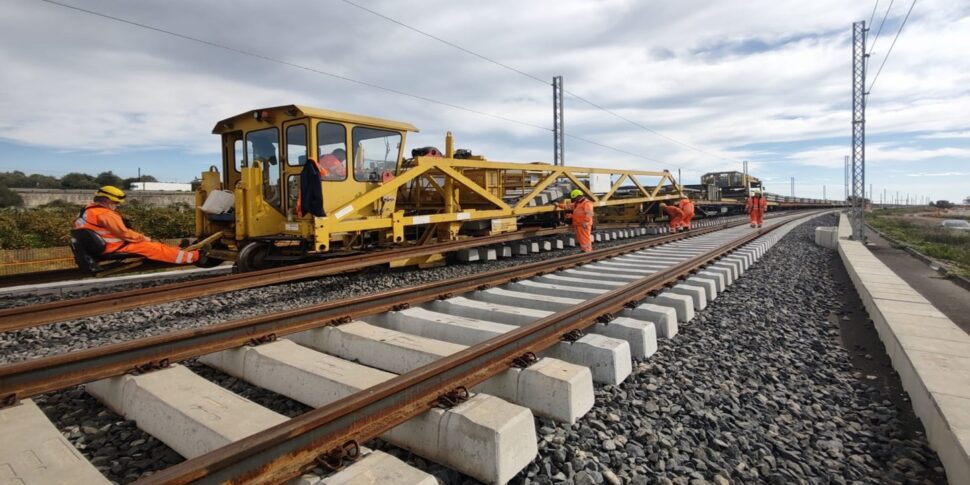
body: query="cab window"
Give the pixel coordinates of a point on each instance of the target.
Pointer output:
(296, 145)
(263, 146)
(375, 152)
(332, 150)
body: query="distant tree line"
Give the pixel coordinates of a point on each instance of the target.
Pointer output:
(73, 180)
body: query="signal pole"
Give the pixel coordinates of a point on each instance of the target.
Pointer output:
(859, 56)
(793, 187)
(558, 147)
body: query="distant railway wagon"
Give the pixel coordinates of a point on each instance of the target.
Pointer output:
(730, 180)
(262, 207)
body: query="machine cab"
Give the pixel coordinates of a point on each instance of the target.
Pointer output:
(264, 152)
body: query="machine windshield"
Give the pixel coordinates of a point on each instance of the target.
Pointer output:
(375, 152)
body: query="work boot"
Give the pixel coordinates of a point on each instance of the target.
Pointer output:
(203, 256)
(752, 225)
(759, 226)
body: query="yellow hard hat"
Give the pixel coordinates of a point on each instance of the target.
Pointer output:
(575, 193)
(111, 193)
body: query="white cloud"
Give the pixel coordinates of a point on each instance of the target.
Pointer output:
(712, 74)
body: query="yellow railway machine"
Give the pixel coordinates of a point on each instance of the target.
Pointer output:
(372, 196)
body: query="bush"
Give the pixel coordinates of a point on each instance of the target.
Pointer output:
(49, 226)
(79, 181)
(9, 198)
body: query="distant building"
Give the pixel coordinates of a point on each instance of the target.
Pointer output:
(966, 201)
(161, 186)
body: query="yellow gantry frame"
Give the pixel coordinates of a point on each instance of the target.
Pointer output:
(347, 220)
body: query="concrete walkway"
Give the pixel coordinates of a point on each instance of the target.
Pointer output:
(929, 351)
(948, 297)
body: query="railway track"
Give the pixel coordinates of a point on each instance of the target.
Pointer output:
(421, 347)
(21, 317)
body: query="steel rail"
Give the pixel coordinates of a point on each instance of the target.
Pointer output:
(19, 318)
(21, 380)
(286, 450)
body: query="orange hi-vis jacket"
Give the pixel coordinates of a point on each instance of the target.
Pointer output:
(759, 204)
(109, 225)
(686, 206)
(583, 213)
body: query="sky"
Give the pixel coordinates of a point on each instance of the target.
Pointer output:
(715, 82)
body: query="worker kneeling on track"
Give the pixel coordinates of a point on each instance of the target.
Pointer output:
(687, 208)
(582, 220)
(102, 218)
(756, 207)
(676, 216)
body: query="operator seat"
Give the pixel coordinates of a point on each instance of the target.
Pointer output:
(88, 248)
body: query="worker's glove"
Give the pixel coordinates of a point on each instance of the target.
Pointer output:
(585, 225)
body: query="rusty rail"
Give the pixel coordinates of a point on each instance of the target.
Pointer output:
(286, 450)
(29, 378)
(18, 318)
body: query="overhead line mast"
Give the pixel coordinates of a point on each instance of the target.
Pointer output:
(859, 56)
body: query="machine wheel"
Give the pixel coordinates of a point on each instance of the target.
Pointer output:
(252, 257)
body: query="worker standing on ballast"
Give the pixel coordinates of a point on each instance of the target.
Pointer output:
(102, 217)
(687, 208)
(582, 220)
(756, 207)
(675, 215)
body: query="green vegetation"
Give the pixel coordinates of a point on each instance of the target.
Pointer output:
(74, 180)
(946, 245)
(48, 226)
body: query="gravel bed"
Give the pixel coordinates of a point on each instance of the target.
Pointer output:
(756, 389)
(157, 319)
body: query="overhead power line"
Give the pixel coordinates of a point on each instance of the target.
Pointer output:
(330, 74)
(874, 7)
(881, 24)
(536, 78)
(890, 51)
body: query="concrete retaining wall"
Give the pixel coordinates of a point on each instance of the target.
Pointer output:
(39, 197)
(930, 353)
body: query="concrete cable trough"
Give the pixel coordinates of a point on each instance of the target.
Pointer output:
(357, 367)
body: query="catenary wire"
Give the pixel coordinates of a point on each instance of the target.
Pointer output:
(873, 16)
(333, 75)
(890, 51)
(536, 78)
(881, 24)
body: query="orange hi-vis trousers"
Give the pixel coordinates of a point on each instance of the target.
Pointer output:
(756, 216)
(157, 251)
(676, 217)
(584, 237)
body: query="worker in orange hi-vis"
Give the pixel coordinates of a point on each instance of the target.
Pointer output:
(582, 220)
(675, 215)
(687, 208)
(756, 207)
(102, 217)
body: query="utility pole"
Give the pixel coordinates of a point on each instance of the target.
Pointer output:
(859, 56)
(558, 135)
(845, 175)
(823, 193)
(747, 183)
(793, 187)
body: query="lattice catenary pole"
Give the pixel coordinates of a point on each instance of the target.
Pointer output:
(557, 123)
(859, 56)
